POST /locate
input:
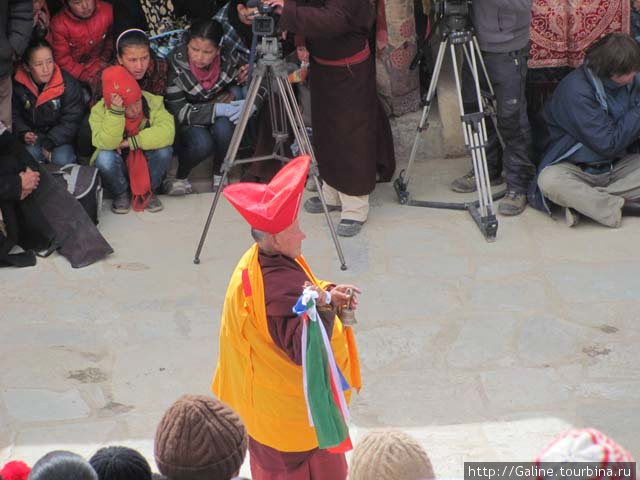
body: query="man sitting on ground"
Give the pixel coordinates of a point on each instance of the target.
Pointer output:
(591, 165)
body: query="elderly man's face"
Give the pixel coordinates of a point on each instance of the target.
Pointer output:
(289, 241)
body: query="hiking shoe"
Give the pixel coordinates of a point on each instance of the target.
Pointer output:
(154, 205)
(314, 205)
(467, 183)
(121, 203)
(349, 228)
(177, 186)
(512, 204)
(571, 217)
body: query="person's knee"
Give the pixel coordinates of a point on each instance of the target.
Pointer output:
(161, 157)
(63, 155)
(196, 142)
(552, 180)
(222, 130)
(107, 160)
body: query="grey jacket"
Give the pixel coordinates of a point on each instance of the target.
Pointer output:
(16, 23)
(501, 25)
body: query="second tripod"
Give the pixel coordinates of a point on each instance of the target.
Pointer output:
(474, 132)
(271, 69)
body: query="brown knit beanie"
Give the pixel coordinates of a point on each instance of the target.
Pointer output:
(200, 438)
(389, 455)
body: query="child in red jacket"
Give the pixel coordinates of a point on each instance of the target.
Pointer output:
(83, 39)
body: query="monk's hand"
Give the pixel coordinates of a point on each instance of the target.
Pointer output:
(340, 295)
(323, 299)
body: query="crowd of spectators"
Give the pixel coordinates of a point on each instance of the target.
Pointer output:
(201, 438)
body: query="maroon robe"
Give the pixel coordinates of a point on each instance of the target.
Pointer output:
(283, 283)
(352, 137)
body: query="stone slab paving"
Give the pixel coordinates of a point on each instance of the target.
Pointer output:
(482, 351)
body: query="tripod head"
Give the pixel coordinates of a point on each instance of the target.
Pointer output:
(453, 13)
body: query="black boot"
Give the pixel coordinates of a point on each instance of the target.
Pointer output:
(631, 208)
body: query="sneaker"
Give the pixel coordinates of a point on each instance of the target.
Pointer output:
(154, 205)
(571, 217)
(121, 203)
(349, 228)
(467, 183)
(314, 205)
(177, 186)
(512, 204)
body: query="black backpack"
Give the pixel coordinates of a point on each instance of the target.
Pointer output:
(84, 183)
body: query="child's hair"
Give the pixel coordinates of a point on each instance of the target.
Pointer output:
(131, 37)
(62, 465)
(207, 29)
(34, 44)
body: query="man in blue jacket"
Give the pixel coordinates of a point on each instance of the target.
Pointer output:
(591, 165)
(502, 29)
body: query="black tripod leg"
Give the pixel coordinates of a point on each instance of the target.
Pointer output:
(232, 151)
(207, 224)
(402, 182)
(300, 132)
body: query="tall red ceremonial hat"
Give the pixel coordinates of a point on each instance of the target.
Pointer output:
(116, 79)
(273, 207)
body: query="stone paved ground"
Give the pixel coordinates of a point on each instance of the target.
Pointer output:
(482, 351)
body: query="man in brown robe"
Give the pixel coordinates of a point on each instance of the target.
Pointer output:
(351, 134)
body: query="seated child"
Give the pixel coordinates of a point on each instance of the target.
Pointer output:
(133, 125)
(83, 39)
(47, 106)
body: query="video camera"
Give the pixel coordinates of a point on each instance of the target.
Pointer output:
(263, 24)
(454, 13)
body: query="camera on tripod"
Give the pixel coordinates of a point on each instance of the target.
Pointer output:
(454, 13)
(263, 23)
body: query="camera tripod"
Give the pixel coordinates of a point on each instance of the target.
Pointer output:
(473, 127)
(272, 69)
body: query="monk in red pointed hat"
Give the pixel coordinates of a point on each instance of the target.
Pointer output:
(259, 371)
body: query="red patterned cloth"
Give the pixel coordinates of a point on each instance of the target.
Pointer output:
(562, 30)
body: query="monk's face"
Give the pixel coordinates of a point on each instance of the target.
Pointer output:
(289, 241)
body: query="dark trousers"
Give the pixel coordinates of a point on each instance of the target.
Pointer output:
(195, 143)
(508, 74)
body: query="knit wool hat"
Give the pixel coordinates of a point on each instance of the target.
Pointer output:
(15, 470)
(389, 455)
(584, 445)
(200, 438)
(120, 463)
(116, 79)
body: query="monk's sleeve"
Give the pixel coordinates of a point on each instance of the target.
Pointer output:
(286, 332)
